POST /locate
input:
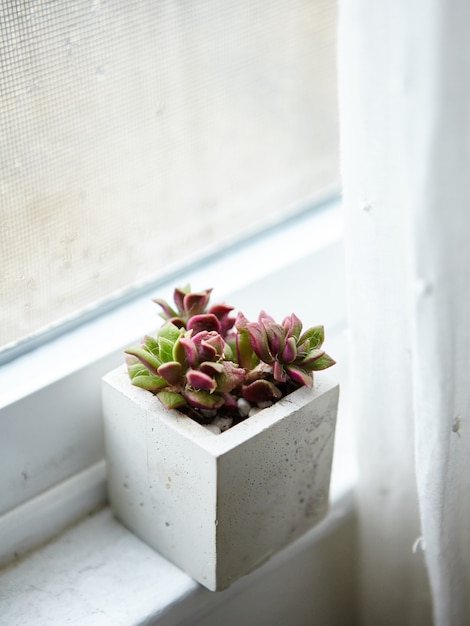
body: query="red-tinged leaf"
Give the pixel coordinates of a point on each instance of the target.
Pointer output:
(211, 338)
(260, 391)
(302, 348)
(276, 338)
(265, 319)
(191, 351)
(241, 321)
(203, 399)
(196, 303)
(229, 400)
(279, 373)
(259, 341)
(230, 377)
(167, 311)
(206, 321)
(323, 362)
(178, 297)
(222, 313)
(262, 370)
(315, 337)
(211, 368)
(172, 372)
(210, 346)
(151, 362)
(300, 376)
(292, 325)
(171, 400)
(220, 310)
(200, 381)
(289, 353)
(178, 322)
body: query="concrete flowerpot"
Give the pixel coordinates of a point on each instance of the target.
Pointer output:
(218, 506)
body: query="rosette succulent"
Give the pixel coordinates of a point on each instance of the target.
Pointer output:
(191, 311)
(209, 365)
(277, 354)
(185, 369)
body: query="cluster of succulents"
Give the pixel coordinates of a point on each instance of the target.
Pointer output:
(211, 365)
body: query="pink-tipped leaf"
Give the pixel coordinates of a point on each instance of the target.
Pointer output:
(259, 341)
(201, 381)
(196, 303)
(300, 376)
(172, 372)
(151, 362)
(171, 400)
(260, 391)
(191, 351)
(203, 399)
(292, 325)
(205, 321)
(289, 353)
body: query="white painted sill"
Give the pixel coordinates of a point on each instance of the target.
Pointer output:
(52, 450)
(99, 574)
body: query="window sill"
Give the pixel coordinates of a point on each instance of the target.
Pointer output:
(99, 573)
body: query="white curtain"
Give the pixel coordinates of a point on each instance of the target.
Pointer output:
(404, 69)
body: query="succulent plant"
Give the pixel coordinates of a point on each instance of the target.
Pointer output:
(204, 362)
(275, 354)
(185, 369)
(191, 311)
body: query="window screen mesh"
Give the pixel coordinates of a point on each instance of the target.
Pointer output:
(133, 133)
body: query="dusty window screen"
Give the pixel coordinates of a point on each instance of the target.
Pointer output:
(134, 133)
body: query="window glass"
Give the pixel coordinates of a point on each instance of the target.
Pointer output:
(133, 134)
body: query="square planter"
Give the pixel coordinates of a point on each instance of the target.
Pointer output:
(218, 506)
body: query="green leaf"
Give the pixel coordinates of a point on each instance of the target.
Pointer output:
(244, 348)
(171, 400)
(179, 353)
(323, 362)
(135, 367)
(151, 344)
(203, 399)
(170, 332)
(315, 337)
(306, 362)
(141, 377)
(149, 382)
(147, 358)
(229, 354)
(166, 349)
